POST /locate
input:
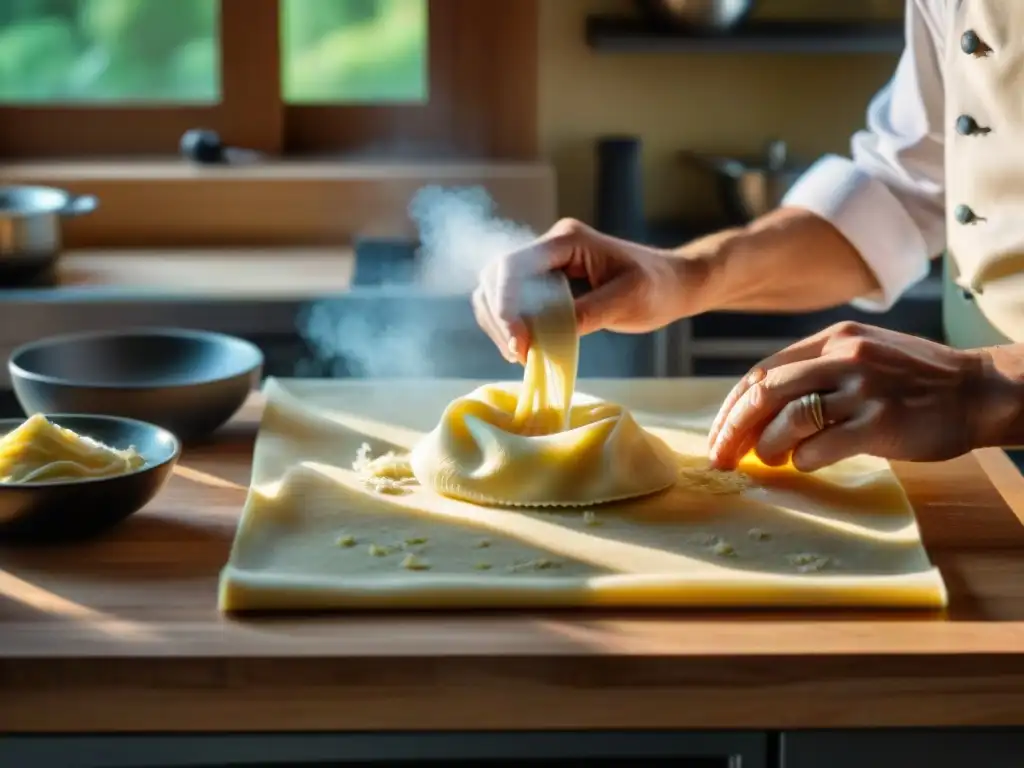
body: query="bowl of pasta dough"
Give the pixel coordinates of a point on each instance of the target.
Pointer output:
(73, 476)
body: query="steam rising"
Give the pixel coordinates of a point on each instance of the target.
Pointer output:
(401, 332)
(460, 233)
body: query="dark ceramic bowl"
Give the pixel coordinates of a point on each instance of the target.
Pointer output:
(78, 509)
(189, 382)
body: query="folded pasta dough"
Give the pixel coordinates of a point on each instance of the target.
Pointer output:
(545, 444)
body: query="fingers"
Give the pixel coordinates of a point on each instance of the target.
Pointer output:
(759, 404)
(485, 318)
(503, 298)
(517, 340)
(752, 378)
(795, 423)
(805, 349)
(496, 302)
(838, 442)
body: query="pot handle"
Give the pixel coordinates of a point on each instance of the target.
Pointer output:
(80, 205)
(723, 165)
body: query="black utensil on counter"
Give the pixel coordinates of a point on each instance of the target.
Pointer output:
(205, 147)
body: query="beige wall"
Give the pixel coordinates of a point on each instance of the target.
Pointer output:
(727, 103)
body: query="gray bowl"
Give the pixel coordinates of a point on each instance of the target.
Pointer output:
(82, 508)
(188, 382)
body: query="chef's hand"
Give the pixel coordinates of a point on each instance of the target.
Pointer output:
(635, 288)
(882, 393)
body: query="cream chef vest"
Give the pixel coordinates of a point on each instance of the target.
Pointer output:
(984, 75)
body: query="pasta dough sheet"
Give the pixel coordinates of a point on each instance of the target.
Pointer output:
(313, 536)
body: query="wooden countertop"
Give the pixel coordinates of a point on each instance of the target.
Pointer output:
(123, 635)
(238, 274)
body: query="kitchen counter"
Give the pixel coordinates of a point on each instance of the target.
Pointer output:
(192, 274)
(122, 635)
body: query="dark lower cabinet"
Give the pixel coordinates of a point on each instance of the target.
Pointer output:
(913, 316)
(919, 313)
(452, 750)
(905, 748)
(732, 367)
(609, 762)
(939, 748)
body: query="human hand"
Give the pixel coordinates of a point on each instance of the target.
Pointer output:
(882, 393)
(635, 288)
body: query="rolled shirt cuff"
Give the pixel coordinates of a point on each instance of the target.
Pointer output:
(870, 216)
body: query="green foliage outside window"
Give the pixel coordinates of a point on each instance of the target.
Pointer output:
(160, 51)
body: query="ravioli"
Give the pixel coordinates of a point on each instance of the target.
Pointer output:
(541, 443)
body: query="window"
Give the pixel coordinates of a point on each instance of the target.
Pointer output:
(128, 77)
(85, 51)
(354, 52)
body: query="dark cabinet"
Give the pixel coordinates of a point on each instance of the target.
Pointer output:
(933, 748)
(919, 317)
(732, 367)
(612, 762)
(549, 749)
(730, 343)
(918, 312)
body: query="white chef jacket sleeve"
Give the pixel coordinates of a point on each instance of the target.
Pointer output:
(889, 199)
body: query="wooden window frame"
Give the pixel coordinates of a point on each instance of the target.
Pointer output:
(482, 104)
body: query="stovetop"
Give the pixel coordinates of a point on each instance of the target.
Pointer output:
(381, 261)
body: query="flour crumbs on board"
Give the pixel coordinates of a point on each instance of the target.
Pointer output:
(696, 474)
(391, 474)
(388, 473)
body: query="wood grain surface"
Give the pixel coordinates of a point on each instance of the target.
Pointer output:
(123, 635)
(231, 273)
(172, 204)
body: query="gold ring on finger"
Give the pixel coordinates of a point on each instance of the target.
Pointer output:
(811, 404)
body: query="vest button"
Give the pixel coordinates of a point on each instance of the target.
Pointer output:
(968, 126)
(968, 296)
(965, 215)
(973, 45)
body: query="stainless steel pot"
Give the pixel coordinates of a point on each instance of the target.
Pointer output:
(30, 229)
(751, 187)
(711, 15)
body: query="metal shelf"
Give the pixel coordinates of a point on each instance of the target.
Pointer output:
(623, 34)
